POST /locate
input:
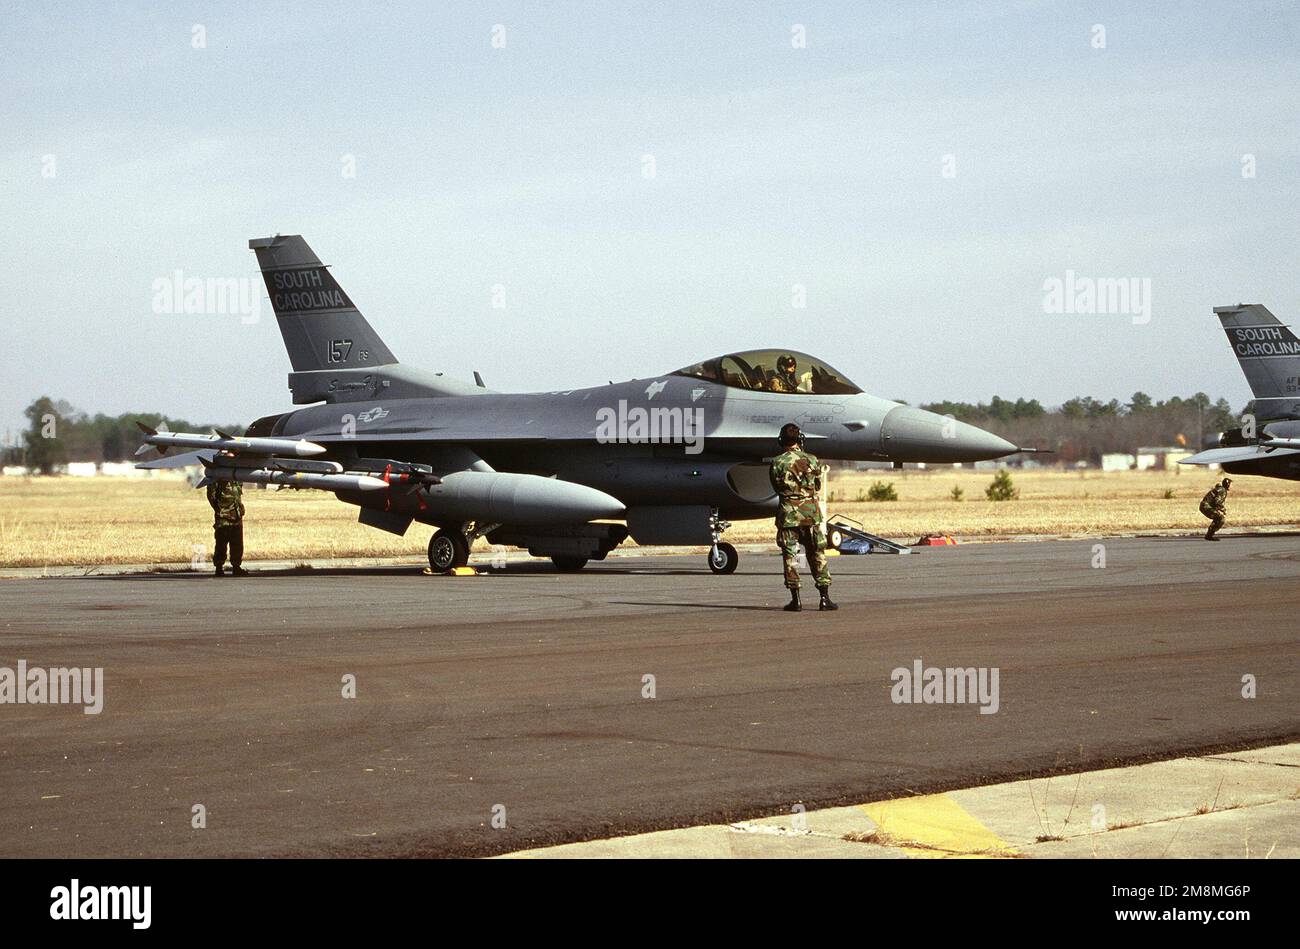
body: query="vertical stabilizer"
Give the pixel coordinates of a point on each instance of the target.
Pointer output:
(320, 326)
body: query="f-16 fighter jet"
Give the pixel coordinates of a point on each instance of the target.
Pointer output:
(1269, 354)
(570, 474)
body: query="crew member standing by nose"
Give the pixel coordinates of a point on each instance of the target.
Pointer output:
(1215, 506)
(226, 498)
(796, 478)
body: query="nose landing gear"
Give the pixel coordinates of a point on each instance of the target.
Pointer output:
(722, 556)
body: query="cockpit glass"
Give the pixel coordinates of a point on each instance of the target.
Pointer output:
(783, 371)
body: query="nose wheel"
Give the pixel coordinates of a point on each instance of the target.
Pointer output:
(722, 556)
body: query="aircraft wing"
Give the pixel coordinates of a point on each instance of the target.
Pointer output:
(1224, 456)
(183, 460)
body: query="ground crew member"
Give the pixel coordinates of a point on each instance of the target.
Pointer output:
(226, 498)
(1214, 506)
(784, 380)
(797, 478)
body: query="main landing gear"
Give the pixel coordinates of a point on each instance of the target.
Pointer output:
(449, 548)
(722, 556)
(447, 551)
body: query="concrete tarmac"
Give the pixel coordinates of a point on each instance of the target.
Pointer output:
(1237, 805)
(513, 710)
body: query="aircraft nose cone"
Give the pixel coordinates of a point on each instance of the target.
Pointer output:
(916, 435)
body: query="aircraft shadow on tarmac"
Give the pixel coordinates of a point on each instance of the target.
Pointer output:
(515, 570)
(706, 606)
(1251, 535)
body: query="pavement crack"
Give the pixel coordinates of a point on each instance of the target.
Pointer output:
(1275, 764)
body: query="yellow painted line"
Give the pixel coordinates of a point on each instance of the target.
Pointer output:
(936, 826)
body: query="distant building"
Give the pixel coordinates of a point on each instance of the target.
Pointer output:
(1151, 458)
(1161, 458)
(112, 469)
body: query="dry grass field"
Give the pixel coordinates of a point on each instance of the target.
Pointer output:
(74, 521)
(1058, 502)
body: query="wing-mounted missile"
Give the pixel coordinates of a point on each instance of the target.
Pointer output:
(282, 462)
(299, 479)
(364, 474)
(397, 472)
(224, 441)
(291, 473)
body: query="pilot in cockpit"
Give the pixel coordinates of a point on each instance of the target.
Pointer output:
(784, 380)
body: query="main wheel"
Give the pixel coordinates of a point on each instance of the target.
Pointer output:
(569, 564)
(447, 551)
(724, 559)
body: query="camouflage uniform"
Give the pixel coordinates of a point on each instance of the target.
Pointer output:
(226, 498)
(1214, 506)
(797, 478)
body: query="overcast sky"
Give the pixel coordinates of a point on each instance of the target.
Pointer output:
(648, 184)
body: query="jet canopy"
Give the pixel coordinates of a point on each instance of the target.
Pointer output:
(769, 370)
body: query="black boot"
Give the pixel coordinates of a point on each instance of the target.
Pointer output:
(794, 606)
(827, 603)
(219, 571)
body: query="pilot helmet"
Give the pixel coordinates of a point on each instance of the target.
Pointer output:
(790, 435)
(785, 363)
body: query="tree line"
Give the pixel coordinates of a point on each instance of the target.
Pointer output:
(1085, 428)
(58, 433)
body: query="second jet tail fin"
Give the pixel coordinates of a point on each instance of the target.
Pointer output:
(1269, 354)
